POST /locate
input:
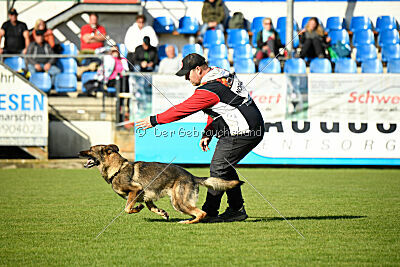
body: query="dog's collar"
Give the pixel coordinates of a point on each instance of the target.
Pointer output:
(110, 180)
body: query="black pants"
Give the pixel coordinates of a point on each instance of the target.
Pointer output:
(312, 48)
(231, 149)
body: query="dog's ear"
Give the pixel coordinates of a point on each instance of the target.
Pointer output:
(112, 148)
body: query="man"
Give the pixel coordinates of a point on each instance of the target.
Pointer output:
(92, 34)
(146, 56)
(213, 15)
(135, 34)
(15, 33)
(171, 64)
(233, 117)
(41, 64)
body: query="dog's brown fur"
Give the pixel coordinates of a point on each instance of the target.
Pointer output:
(148, 181)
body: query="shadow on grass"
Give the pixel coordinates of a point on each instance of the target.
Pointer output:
(331, 217)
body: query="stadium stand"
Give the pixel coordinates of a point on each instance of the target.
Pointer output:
(192, 48)
(15, 63)
(341, 36)
(363, 37)
(390, 52)
(366, 52)
(345, 65)
(218, 52)
(359, 23)
(69, 49)
(320, 65)
(213, 37)
(67, 65)
(295, 66)
(388, 37)
(87, 76)
(269, 65)
(243, 51)
(372, 66)
(161, 51)
(65, 82)
(335, 24)
(244, 66)
(163, 25)
(188, 25)
(393, 66)
(220, 63)
(237, 37)
(41, 80)
(384, 23)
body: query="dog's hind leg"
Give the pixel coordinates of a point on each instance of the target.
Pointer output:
(184, 198)
(132, 196)
(150, 205)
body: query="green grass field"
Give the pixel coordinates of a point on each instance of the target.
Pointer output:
(348, 217)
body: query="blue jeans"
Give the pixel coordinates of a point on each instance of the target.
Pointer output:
(53, 71)
(204, 28)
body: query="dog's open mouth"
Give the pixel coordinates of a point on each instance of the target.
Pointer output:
(91, 162)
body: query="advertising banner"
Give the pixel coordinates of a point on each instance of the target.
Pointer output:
(23, 112)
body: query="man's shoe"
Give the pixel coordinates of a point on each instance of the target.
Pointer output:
(231, 215)
(211, 219)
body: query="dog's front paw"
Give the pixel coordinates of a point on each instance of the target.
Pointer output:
(165, 215)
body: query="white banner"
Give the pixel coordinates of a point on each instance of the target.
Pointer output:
(23, 112)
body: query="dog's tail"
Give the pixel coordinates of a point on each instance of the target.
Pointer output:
(218, 184)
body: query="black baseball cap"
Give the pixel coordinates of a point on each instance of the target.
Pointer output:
(190, 62)
(12, 11)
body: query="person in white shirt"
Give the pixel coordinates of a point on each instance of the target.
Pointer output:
(171, 64)
(135, 34)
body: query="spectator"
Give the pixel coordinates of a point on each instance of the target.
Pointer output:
(41, 64)
(15, 33)
(48, 34)
(268, 41)
(146, 57)
(92, 35)
(213, 16)
(135, 34)
(313, 40)
(171, 64)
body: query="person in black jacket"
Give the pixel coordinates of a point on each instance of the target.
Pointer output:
(15, 33)
(313, 40)
(268, 41)
(146, 57)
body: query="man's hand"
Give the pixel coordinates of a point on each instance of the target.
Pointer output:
(143, 64)
(24, 50)
(204, 143)
(144, 124)
(1, 50)
(47, 66)
(38, 67)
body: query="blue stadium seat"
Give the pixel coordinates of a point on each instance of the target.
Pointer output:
(366, 52)
(244, 66)
(306, 19)
(339, 36)
(359, 23)
(15, 63)
(345, 65)
(295, 66)
(372, 66)
(188, 25)
(384, 23)
(320, 65)
(218, 52)
(87, 76)
(123, 50)
(161, 51)
(192, 48)
(281, 25)
(220, 63)
(163, 25)
(393, 66)
(269, 65)
(256, 25)
(388, 37)
(69, 49)
(67, 65)
(243, 51)
(112, 90)
(65, 82)
(41, 80)
(335, 24)
(363, 37)
(213, 37)
(237, 37)
(390, 52)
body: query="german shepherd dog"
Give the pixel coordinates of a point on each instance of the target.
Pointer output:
(148, 181)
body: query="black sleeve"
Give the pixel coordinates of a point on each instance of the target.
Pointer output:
(4, 26)
(52, 60)
(259, 39)
(23, 26)
(137, 57)
(155, 56)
